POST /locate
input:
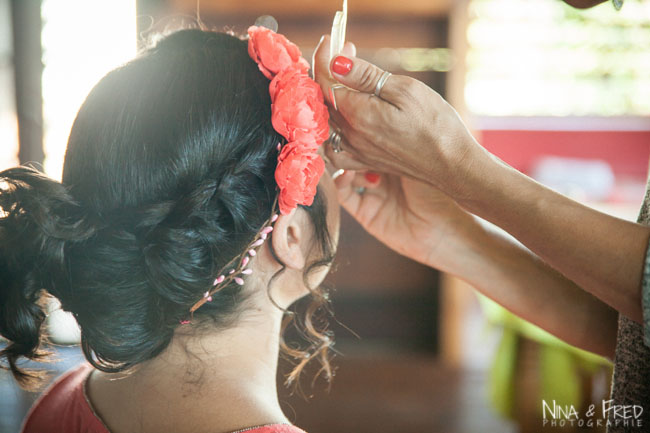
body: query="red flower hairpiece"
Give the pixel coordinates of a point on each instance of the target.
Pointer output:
(298, 113)
(273, 52)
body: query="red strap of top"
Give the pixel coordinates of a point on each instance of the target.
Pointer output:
(64, 408)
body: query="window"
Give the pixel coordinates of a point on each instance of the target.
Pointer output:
(82, 41)
(544, 58)
(8, 119)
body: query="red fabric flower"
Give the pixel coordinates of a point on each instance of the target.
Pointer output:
(298, 113)
(298, 146)
(298, 110)
(273, 52)
(297, 176)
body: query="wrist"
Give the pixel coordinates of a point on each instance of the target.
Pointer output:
(462, 247)
(457, 166)
(480, 180)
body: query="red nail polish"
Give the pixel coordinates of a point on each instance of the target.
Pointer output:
(372, 177)
(341, 65)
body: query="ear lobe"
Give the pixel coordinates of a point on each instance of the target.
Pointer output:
(287, 238)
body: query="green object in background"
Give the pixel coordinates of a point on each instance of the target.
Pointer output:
(501, 380)
(560, 363)
(560, 380)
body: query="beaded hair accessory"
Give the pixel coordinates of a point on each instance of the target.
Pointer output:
(299, 114)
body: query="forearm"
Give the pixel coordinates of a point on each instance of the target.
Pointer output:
(511, 275)
(602, 254)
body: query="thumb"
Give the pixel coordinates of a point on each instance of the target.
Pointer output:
(358, 74)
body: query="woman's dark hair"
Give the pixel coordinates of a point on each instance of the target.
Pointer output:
(169, 173)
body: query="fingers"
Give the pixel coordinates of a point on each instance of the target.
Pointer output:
(359, 197)
(362, 76)
(347, 196)
(352, 95)
(320, 65)
(344, 159)
(371, 179)
(361, 111)
(349, 49)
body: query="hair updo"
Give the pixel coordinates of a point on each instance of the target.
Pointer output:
(169, 173)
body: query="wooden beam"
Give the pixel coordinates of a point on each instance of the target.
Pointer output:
(28, 67)
(456, 297)
(311, 8)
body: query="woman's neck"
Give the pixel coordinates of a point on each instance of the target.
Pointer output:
(213, 382)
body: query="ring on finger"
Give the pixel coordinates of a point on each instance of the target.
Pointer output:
(360, 190)
(380, 83)
(335, 141)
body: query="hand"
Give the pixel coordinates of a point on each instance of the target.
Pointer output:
(410, 217)
(410, 130)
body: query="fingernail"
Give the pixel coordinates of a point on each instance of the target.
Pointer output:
(341, 65)
(372, 177)
(338, 173)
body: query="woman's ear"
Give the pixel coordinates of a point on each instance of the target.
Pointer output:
(287, 239)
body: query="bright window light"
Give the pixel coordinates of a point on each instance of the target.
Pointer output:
(82, 40)
(8, 120)
(544, 58)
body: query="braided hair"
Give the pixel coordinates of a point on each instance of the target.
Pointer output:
(169, 172)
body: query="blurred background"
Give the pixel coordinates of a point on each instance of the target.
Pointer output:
(561, 94)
